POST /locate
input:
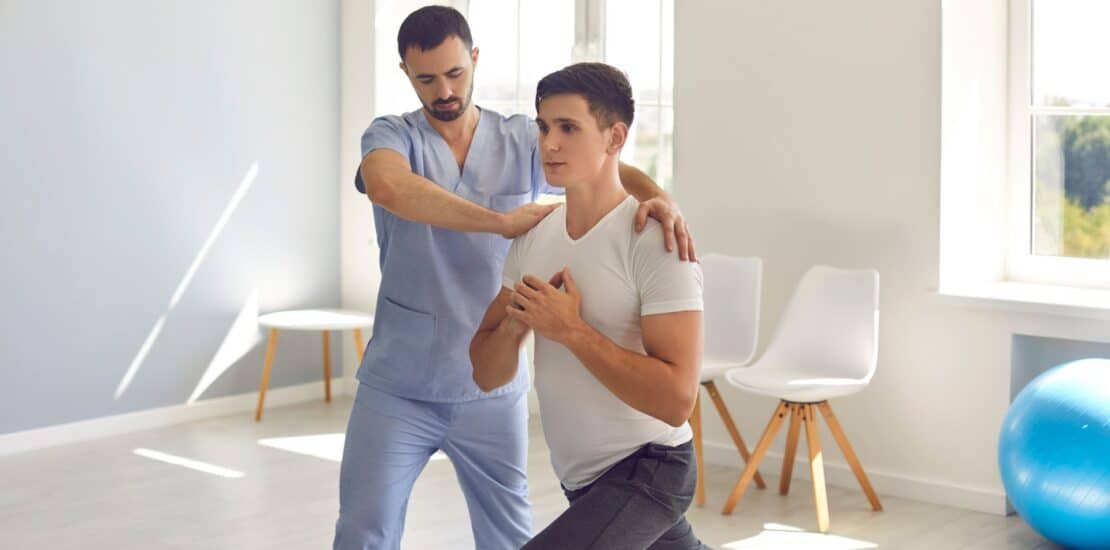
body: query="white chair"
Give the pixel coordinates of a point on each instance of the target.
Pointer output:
(731, 317)
(825, 346)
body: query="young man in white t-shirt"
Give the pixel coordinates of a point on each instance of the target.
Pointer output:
(617, 348)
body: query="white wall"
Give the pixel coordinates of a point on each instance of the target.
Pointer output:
(360, 275)
(129, 219)
(809, 132)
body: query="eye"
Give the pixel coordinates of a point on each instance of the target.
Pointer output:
(543, 128)
(567, 127)
(454, 74)
(425, 81)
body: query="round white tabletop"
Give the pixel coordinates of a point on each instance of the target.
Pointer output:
(316, 319)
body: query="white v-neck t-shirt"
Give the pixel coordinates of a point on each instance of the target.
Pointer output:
(622, 275)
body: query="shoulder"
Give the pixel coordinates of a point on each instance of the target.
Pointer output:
(552, 223)
(651, 238)
(516, 122)
(647, 249)
(398, 123)
(392, 128)
(520, 128)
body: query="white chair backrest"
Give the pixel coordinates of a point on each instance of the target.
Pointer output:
(830, 327)
(732, 287)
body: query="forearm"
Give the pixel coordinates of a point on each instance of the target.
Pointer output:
(420, 200)
(638, 184)
(647, 384)
(494, 354)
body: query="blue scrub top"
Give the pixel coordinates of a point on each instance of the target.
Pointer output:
(437, 283)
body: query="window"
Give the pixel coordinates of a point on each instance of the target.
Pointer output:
(520, 41)
(1059, 143)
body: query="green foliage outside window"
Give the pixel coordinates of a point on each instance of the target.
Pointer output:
(1075, 222)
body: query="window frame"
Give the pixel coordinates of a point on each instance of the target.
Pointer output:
(1020, 263)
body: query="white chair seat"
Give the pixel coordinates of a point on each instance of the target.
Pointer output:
(798, 387)
(712, 369)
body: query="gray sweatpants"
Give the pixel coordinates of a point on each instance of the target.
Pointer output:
(639, 503)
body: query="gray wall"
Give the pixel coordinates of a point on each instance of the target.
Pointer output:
(128, 128)
(1033, 355)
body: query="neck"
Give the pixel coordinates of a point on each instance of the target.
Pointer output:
(460, 129)
(590, 201)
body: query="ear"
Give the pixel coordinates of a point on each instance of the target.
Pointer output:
(474, 56)
(618, 135)
(403, 68)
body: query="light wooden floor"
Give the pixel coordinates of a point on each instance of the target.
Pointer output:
(100, 494)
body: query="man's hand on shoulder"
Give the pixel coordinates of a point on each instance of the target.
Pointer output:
(675, 228)
(520, 220)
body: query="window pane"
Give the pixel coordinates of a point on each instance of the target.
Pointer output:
(546, 44)
(632, 44)
(665, 176)
(493, 25)
(393, 92)
(649, 146)
(1071, 49)
(668, 52)
(1071, 186)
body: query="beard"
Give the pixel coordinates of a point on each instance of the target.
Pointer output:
(448, 116)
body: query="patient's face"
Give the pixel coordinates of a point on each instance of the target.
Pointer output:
(443, 77)
(572, 147)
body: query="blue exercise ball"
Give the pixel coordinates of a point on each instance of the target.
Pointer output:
(1054, 454)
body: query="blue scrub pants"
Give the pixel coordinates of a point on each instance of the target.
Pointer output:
(389, 441)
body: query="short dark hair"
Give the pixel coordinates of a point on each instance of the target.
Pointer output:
(429, 26)
(605, 88)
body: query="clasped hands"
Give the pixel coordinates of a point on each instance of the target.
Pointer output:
(541, 306)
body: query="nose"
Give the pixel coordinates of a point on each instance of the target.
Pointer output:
(549, 142)
(443, 90)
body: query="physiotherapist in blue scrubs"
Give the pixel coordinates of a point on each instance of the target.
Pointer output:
(451, 183)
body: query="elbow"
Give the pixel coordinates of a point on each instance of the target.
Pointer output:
(681, 409)
(476, 372)
(675, 421)
(483, 385)
(482, 382)
(379, 193)
(378, 190)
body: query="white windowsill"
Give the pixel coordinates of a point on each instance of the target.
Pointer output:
(1032, 298)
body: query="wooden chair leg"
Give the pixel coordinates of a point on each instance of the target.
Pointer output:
(695, 426)
(722, 410)
(327, 368)
(266, 367)
(849, 455)
(791, 449)
(816, 467)
(757, 457)
(359, 346)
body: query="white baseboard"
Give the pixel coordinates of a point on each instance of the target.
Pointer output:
(73, 432)
(885, 483)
